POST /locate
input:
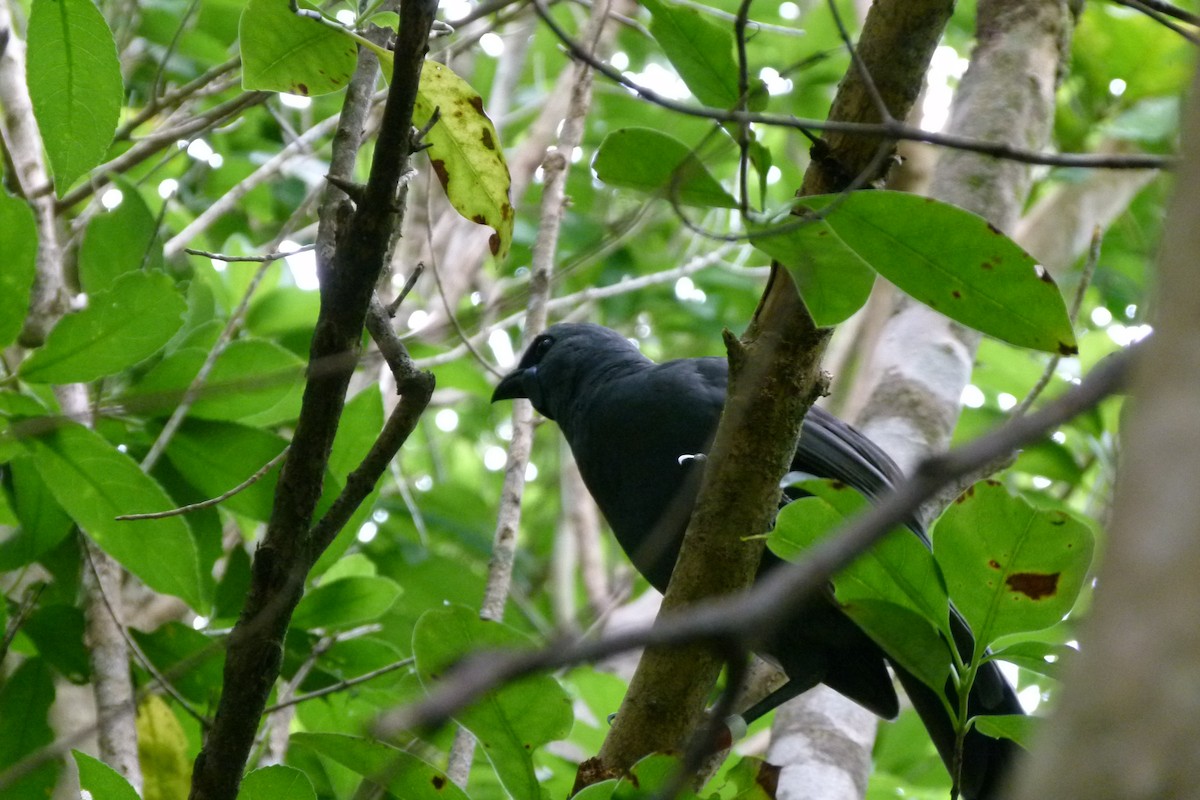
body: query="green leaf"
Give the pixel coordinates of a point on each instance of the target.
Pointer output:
(283, 310)
(346, 602)
(832, 278)
(906, 636)
(403, 774)
(597, 791)
(1033, 657)
(465, 152)
(120, 327)
(651, 161)
(1021, 728)
(284, 52)
(1010, 567)
(193, 659)
(894, 592)
(464, 149)
(249, 377)
(75, 84)
(101, 780)
(119, 241)
(385, 19)
(955, 262)
(25, 699)
(162, 751)
(57, 630)
(277, 782)
(749, 779)
(43, 522)
(18, 242)
(94, 483)
(699, 49)
(1151, 120)
(649, 778)
(217, 456)
(899, 569)
(509, 723)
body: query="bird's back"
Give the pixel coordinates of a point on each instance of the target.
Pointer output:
(636, 444)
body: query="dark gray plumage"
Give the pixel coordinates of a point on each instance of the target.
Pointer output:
(629, 420)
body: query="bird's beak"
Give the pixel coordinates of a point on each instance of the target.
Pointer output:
(515, 384)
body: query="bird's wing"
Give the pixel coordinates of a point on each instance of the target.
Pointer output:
(830, 448)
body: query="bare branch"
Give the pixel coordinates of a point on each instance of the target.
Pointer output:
(188, 509)
(291, 545)
(891, 130)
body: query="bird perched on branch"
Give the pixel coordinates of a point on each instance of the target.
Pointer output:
(632, 425)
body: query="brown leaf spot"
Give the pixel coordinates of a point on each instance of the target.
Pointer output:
(1043, 274)
(768, 778)
(970, 492)
(438, 782)
(439, 166)
(1065, 349)
(837, 485)
(990, 264)
(479, 219)
(487, 139)
(301, 89)
(993, 563)
(1034, 585)
(994, 229)
(956, 294)
(993, 482)
(477, 103)
(494, 244)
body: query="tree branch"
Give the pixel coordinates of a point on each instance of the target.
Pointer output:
(289, 547)
(1126, 725)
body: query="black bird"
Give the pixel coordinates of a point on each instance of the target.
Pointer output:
(629, 420)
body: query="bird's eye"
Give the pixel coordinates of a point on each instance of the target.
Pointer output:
(542, 345)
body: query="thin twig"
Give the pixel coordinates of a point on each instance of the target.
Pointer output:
(437, 280)
(203, 504)
(175, 97)
(1161, 18)
(192, 393)
(28, 603)
(591, 294)
(394, 306)
(1162, 7)
(1085, 280)
(157, 141)
(248, 259)
(139, 654)
(864, 74)
(891, 130)
(743, 104)
(227, 201)
(341, 685)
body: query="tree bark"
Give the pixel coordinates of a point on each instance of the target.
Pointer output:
(1129, 716)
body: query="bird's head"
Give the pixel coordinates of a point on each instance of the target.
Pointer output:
(562, 361)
